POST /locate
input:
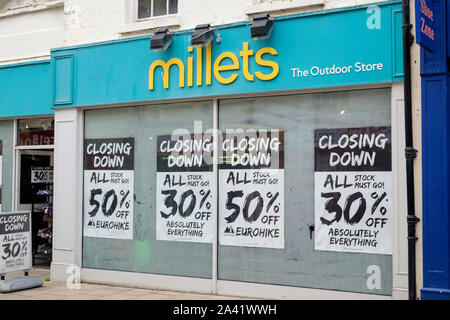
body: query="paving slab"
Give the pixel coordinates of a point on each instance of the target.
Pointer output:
(87, 291)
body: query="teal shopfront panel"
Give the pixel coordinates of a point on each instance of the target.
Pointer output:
(25, 89)
(342, 47)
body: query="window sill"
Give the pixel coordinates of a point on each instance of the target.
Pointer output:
(150, 23)
(282, 5)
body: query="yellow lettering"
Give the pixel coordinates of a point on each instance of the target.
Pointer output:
(208, 65)
(266, 63)
(166, 67)
(245, 53)
(218, 68)
(190, 75)
(199, 66)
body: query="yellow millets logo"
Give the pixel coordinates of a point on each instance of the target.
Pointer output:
(218, 67)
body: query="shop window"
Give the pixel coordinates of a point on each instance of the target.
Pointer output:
(256, 251)
(35, 132)
(130, 241)
(154, 8)
(267, 212)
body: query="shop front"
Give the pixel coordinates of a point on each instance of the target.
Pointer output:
(26, 153)
(251, 167)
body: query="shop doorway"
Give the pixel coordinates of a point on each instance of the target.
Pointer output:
(35, 194)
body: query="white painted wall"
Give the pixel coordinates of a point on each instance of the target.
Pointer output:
(28, 33)
(67, 220)
(416, 91)
(93, 21)
(400, 232)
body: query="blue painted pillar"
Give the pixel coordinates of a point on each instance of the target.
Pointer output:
(436, 160)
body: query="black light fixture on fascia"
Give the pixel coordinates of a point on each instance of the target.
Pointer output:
(161, 40)
(262, 26)
(202, 35)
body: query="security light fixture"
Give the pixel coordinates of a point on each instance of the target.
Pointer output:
(161, 40)
(202, 35)
(262, 26)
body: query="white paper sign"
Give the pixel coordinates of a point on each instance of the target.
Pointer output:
(15, 242)
(184, 191)
(184, 206)
(366, 219)
(251, 192)
(109, 188)
(353, 190)
(254, 205)
(41, 175)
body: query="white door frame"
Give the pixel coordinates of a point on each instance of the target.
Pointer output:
(19, 152)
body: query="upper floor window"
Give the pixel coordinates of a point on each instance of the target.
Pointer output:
(154, 8)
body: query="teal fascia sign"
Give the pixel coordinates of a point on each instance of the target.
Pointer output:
(25, 89)
(351, 46)
(359, 45)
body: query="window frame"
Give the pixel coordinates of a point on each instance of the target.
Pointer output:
(136, 11)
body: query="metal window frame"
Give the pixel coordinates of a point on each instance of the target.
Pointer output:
(29, 147)
(16, 158)
(152, 10)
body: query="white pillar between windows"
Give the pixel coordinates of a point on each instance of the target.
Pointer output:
(67, 215)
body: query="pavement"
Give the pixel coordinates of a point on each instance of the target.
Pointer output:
(59, 291)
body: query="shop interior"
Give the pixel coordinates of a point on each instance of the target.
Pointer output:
(35, 159)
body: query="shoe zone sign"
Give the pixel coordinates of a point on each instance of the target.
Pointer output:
(425, 24)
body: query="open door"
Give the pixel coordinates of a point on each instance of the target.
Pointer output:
(35, 194)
